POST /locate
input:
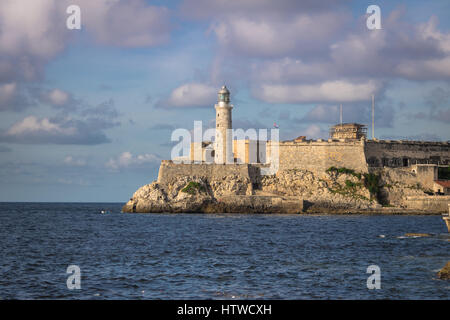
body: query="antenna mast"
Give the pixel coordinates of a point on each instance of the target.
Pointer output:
(341, 114)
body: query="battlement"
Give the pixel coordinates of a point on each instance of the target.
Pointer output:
(318, 155)
(169, 171)
(320, 142)
(404, 153)
(412, 142)
(354, 131)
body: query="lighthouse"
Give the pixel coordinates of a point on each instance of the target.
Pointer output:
(223, 142)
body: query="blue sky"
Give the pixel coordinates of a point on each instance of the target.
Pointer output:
(87, 115)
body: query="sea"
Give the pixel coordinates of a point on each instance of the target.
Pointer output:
(74, 251)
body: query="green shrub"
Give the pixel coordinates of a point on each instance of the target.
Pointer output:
(345, 171)
(350, 184)
(371, 182)
(192, 188)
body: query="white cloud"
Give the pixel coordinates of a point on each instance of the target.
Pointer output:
(288, 70)
(311, 52)
(58, 130)
(7, 92)
(429, 30)
(126, 23)
(399, 50)
(31, 26)
(58, 97)
(190, 95)
(128, 160)
(314, 131)
(34, 32)
(279, 36)
(31, 33)
(331, 91)
(323, 113)
(433, 68)
(32, 124)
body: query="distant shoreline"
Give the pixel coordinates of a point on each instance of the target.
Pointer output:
(325, 211)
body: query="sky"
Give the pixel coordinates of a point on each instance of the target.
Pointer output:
(87, 115)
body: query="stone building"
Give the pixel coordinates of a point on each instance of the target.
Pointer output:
(347, 147)
(353, 131)
(223, 142)
(442, 187)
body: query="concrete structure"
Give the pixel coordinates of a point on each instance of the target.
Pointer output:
(170, 171)
(402, 153)
(428, 203)
(317, 156)
(347, 147)
(223, 142)
(425, 174)
(228, 173)
(447, 218)
(353, 131)
(442, 187)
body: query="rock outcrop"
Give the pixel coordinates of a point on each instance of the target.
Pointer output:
(289, 191)
(444, 274)
(242, 189)
(331, 191)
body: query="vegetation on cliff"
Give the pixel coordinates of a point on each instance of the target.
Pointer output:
(192, 187)
(345, 171)
(371, 182)
(334, 190)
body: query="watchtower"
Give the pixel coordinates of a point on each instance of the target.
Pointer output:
(353, 131)
(223, 144)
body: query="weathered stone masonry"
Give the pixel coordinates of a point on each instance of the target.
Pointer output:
(359, 155)
(384, 153)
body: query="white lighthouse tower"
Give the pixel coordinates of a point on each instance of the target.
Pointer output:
(223, 143)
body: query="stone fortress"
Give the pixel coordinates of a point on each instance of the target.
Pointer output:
(330, 175)
(348, 147)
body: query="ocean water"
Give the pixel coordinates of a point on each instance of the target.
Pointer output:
(197, 256)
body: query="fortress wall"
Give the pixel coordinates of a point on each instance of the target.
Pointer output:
(384, 153)
(170, 172)
(426, 174)
(318, 156)
(429, 203)
(417, 174)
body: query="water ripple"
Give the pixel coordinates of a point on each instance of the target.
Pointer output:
(196, 256)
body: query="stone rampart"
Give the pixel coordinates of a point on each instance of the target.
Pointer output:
(318, 156)
(428, 203)
(400, 153)
(170, 172)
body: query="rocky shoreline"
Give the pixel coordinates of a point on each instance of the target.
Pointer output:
(336, 191)
(444, 273)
